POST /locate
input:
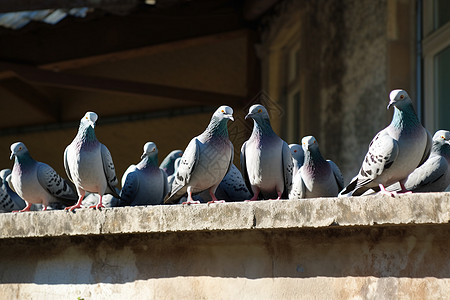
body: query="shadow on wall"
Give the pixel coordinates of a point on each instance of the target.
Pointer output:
(413, 251)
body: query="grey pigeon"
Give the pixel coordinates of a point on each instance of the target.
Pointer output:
(171, 178)
(89, 164)
(9, 200)
(434, 174)
(266, 160)
(168, 163)
(231, 188)
(317, 177)
(206, 160)
(37, 182)
(145, 183)
(297, 157)
(394, 152)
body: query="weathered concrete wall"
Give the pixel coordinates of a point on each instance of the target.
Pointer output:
(353, 52)
(365, 248)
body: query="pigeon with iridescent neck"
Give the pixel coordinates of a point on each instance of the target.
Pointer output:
(206, 160)
(9, 200)
(394, 152)
(317, 177)
(266, 160)
(168, 163)
(144, 183)
(434, 174)
(36, 182)
(89, 164)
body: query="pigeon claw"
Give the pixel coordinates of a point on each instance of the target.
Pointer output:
(216, 201)
(72, 208)
(98, 206)
(188, 202)
(387, 193)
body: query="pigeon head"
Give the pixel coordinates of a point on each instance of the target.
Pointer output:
(149, 148)
(296, 150)
(441, 137)
(309, 143)
(18, 149)
(89, 119)
(224, 112)
(257, 112)
(398, 98)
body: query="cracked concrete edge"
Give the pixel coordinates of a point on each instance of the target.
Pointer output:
(430, 208)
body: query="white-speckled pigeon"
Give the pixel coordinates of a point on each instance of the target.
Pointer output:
(394, 152)
(145, 183)
(37, 182)
(89, 164)
(9, 200)
(317, 177)
(297, 157)
(266, 160)
(434, 174)
(168, 163)
(206, 160)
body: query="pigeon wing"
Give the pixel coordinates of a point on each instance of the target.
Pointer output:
(55, 184)
(288, 167)
(110, 172)
(337, 174)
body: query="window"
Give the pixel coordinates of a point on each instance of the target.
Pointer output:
(436, 52)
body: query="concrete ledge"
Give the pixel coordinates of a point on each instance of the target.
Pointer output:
(430, 208)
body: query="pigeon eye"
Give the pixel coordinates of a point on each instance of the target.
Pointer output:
(259, 110)
(443, 137)
(402, 96)
(20, 148)
(223, 111)
(295, 151)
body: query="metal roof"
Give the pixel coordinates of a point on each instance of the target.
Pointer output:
(17, 20)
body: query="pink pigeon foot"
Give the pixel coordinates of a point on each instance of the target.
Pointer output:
(279, 196)
(99, 204)
(216, 201)
(387, 193)
(73, 207)
(27, 208)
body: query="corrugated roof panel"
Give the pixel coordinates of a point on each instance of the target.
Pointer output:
(17, 20)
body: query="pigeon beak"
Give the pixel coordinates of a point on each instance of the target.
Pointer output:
(249, 115)
(390, 104)
(11, 156)
(143, 155)
(231, 117)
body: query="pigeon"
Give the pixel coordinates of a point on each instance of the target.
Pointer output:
(171, 177)
(232, 188)
(168, 163)
(206, 160)
(297, 157)
(37, 182)
(434, 174)
(317, 177)
(144, 183)
(89, 164)
(9, 200)
(394, 152)
(266, 160)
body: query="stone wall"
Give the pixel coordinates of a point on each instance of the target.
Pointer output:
(368, 247)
